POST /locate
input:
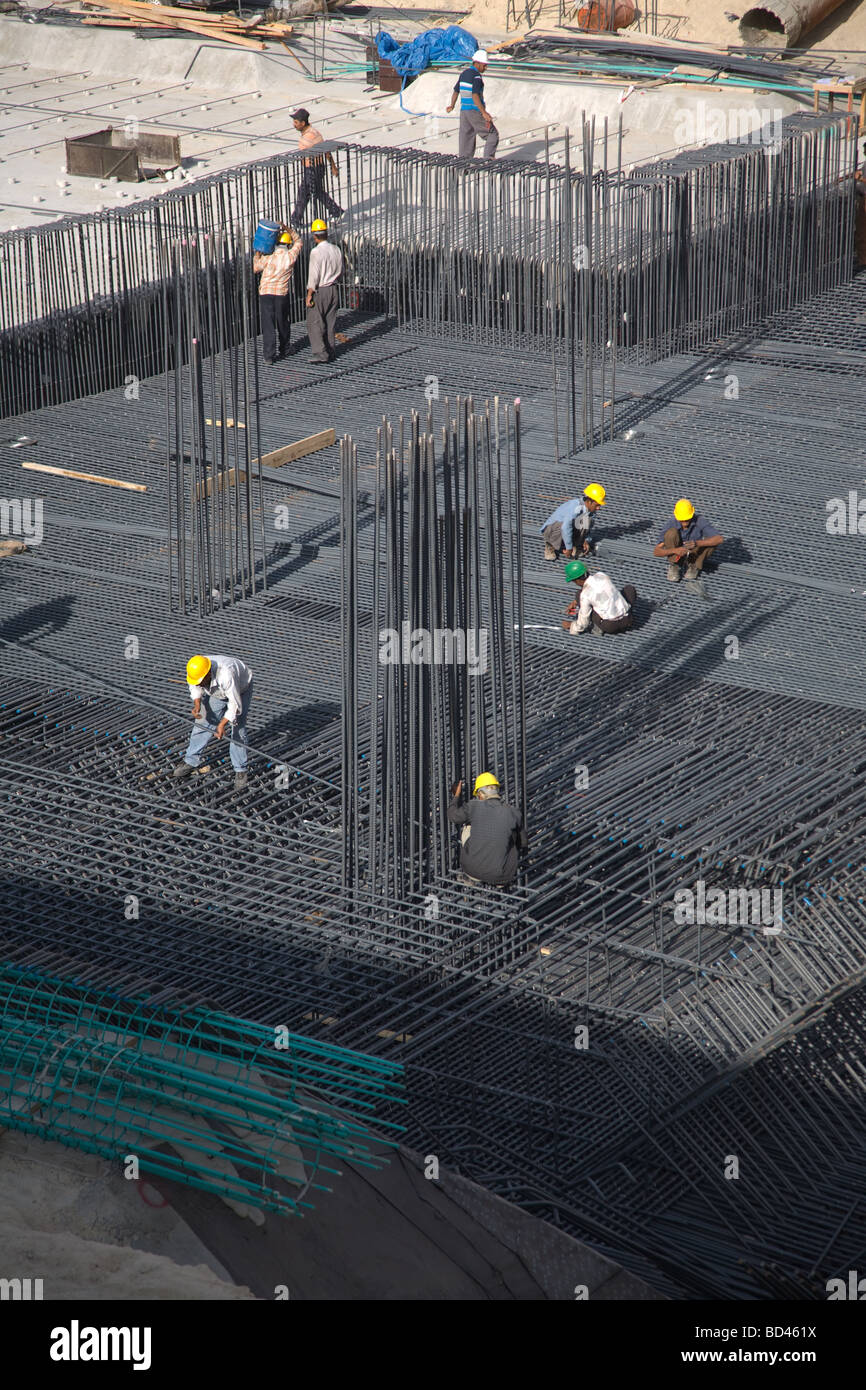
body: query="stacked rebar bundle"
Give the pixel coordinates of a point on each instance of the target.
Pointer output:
(201, 1097)
(586, 258)
(214, 509)
(444, 649)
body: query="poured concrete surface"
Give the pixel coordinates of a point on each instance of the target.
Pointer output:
(231, 107)
(396, 1235)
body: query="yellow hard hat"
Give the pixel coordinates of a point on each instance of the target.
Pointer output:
(595, 492)
(683, 510)
(197, 668)
(319, 225)
(287, 238)
(484, 779)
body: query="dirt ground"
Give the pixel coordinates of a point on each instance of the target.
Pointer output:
(698, 21)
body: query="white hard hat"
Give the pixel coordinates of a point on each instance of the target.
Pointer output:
(479, 56)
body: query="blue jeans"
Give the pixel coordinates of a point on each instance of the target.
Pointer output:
(212, 711)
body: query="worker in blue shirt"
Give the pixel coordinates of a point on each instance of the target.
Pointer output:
(687, 538)
(568, 528)
(475, 119)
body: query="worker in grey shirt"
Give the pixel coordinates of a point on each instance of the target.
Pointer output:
(492, 834)
(326, 267)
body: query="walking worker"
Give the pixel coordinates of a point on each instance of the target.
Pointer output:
(223, 686)
(475, 119)
(689, 537)
(599, 605)
(492, 833)
(568, 528)
(276, 272)
(313, 181)
(323, 275)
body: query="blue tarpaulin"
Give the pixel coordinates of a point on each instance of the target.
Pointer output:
(451, 45)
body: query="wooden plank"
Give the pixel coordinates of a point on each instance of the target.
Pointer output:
(157, 16)
(310, 445)
(84, 477)
(225, 480)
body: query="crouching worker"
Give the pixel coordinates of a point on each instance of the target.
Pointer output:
(569, 528)
(224, 686)
(688, 537)
(599, 605)
(492, 833)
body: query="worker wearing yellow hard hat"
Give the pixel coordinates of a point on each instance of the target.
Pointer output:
(275, 268)
(686, 541)
(567, 531)
(492, 833)
(323, 278)
(221, 690)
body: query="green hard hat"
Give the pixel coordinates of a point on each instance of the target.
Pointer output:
(575, 569)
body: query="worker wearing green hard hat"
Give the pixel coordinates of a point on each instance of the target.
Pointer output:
(599, 607)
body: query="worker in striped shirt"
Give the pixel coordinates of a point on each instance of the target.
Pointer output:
(276, 272)
(313, 181)
(475, 119)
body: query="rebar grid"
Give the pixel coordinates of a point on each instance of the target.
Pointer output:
(122, 1077)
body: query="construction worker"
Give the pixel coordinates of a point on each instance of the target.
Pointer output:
(276, 272)
(475, 119)
(568, 528)
(326, 267)
(492, 833)
(599, 606)
(688, 537)
(313, 181)
(223, 685)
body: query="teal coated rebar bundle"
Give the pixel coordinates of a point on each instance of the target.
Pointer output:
(257, 1115)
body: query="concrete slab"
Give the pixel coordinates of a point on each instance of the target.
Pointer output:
(231, 107)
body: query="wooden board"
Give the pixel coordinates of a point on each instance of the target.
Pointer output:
(84, 477)
(310, 445)
(157, 15)
(225, 480)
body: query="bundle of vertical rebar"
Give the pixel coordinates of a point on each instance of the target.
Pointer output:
(582, 256)
(254, 1114)
(443, 653)
(216, 551)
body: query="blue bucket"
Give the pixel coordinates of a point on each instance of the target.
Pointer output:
(266, 235)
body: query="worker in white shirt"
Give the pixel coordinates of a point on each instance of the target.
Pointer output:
(224, 686)
(326, 267)
(599, 607)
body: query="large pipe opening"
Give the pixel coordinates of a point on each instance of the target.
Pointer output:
(763, 29)
(782, 23)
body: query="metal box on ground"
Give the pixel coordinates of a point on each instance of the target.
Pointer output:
(114, 153)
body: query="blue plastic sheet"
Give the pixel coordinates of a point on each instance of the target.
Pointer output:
(451, 45)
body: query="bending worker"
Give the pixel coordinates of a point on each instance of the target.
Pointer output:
(492, 833)
(688, 537)
(599, 604)
(276, 271)
(568, 528)
(326, 267)
(475, 119)
(224, 686)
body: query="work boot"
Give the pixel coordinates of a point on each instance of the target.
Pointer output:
(692, 575)
(549, 552)
(241, 779)
(673, 572)
(182, 770)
